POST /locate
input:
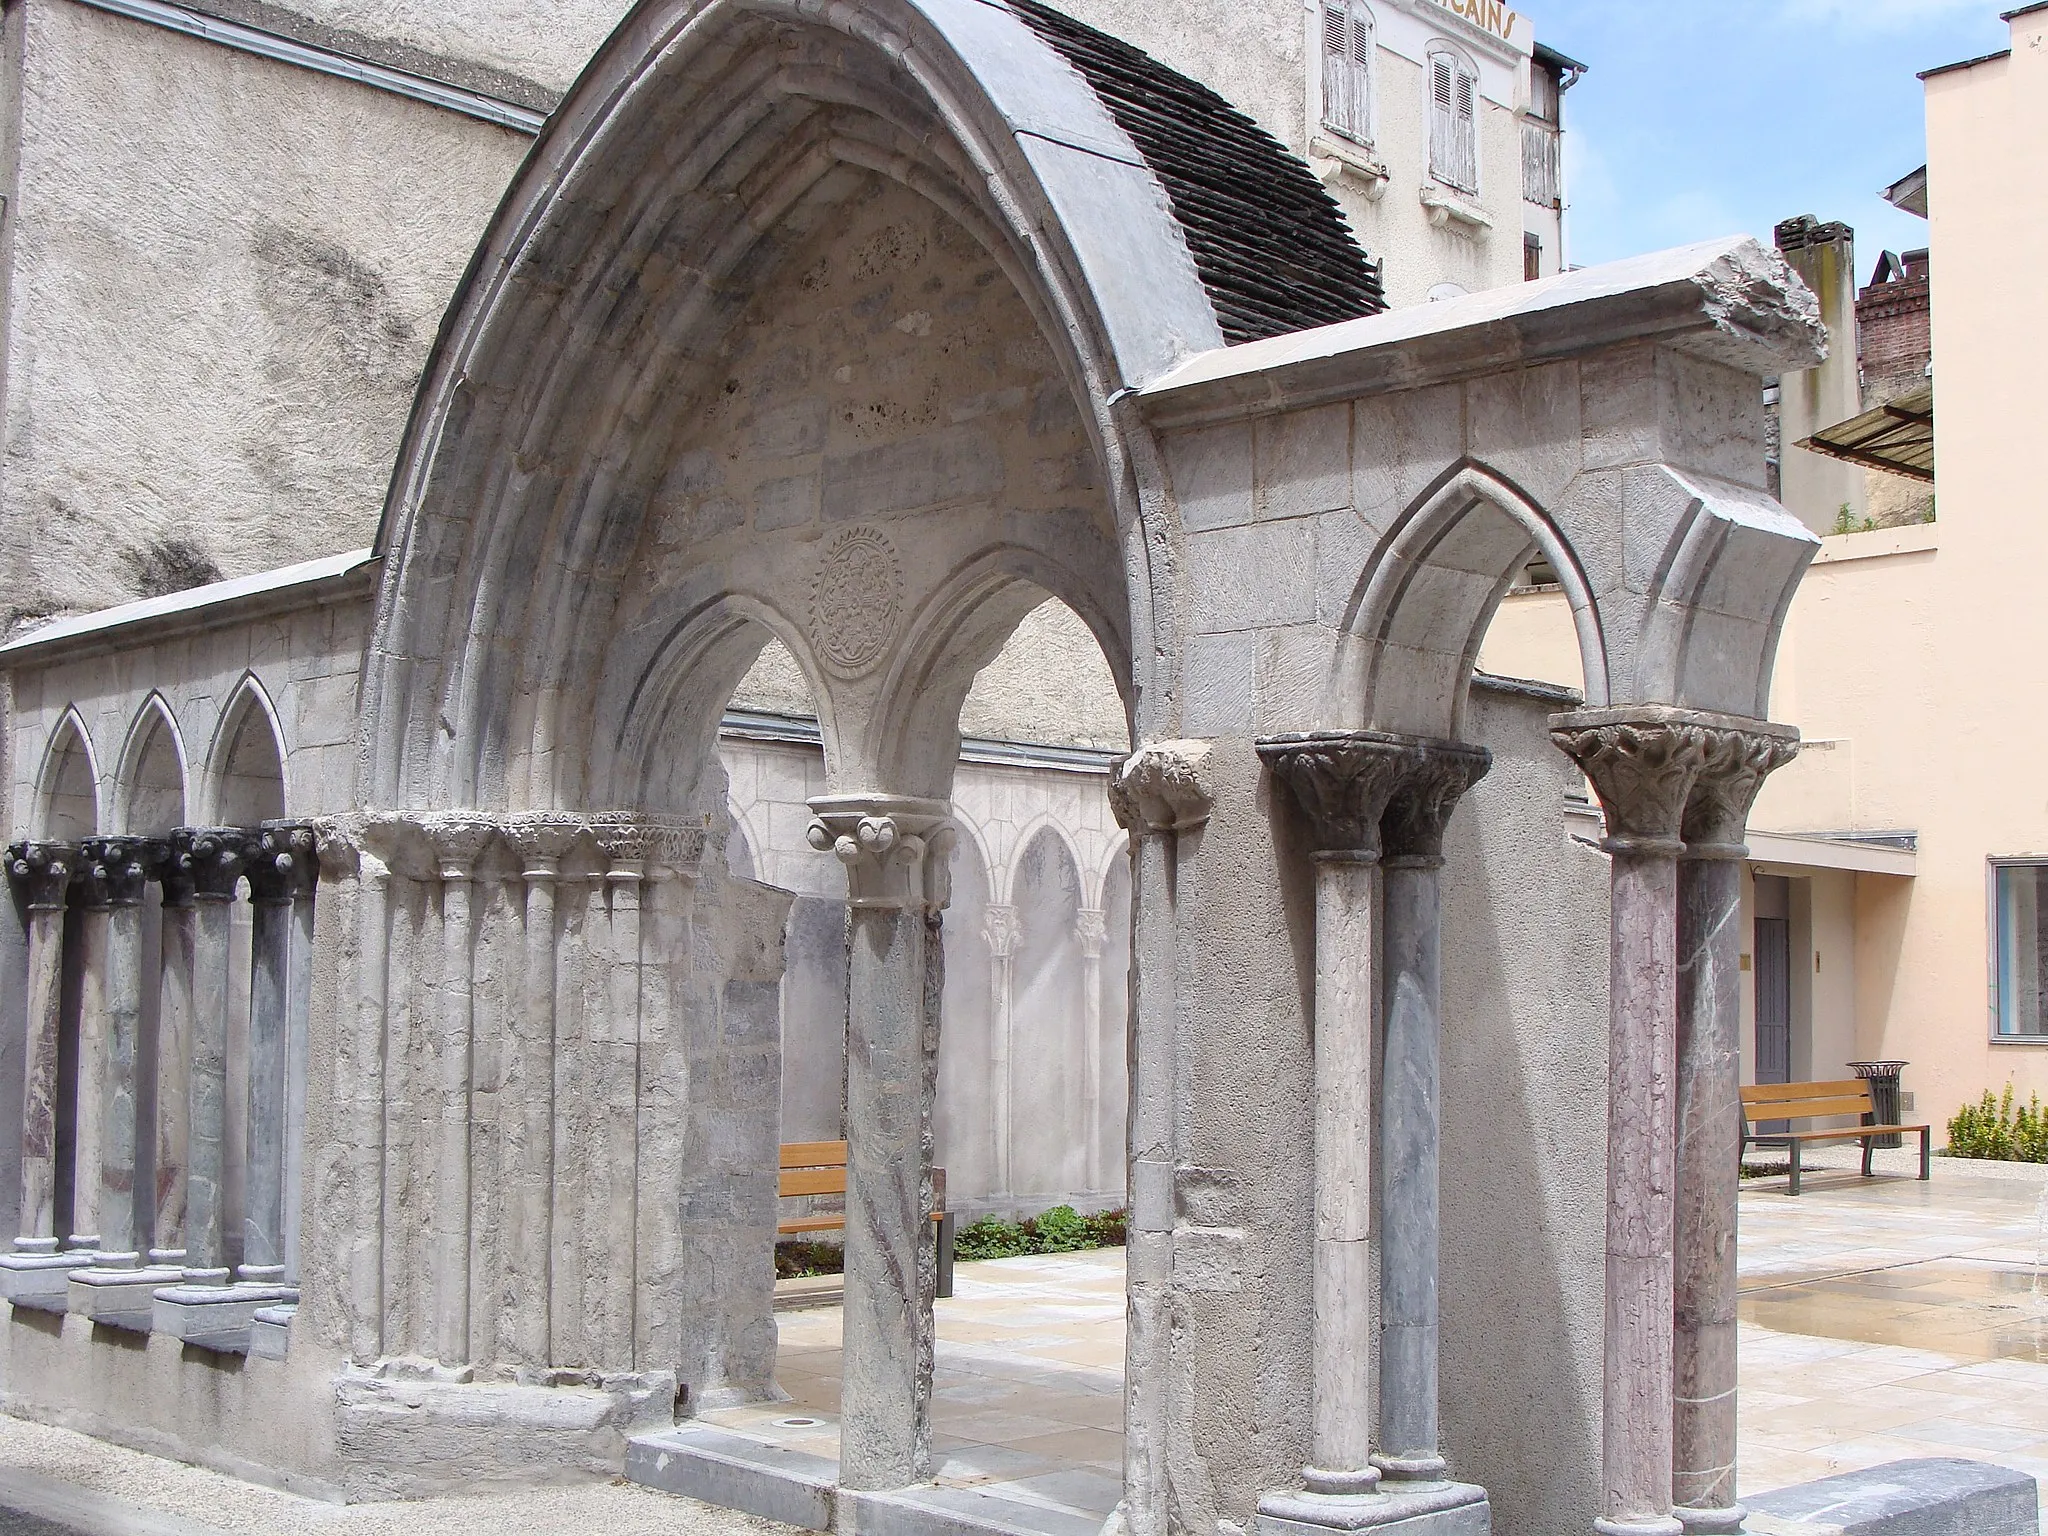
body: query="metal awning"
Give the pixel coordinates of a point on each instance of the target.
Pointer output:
(1897, 436)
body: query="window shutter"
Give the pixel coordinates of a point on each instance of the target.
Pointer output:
(1347, 65)
(1453, 123)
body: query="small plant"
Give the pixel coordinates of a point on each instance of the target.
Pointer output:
(1847, 521)
(2000, 1130)
(795, 1259)
(1059, 1230)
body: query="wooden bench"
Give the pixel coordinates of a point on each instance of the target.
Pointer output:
(1818, 1101)
(819, 1168)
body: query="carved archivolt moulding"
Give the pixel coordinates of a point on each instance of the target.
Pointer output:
(856, 600)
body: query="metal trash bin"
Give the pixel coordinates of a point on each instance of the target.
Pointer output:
(1883, 1077)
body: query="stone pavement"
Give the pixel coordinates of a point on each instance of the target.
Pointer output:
(1881, 1320)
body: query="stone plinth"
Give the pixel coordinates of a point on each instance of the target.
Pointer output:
(1440, 1509)
(216, 1317)
(40, 1281)
(270, 1331)
(1940, 1496)
(119, 1298)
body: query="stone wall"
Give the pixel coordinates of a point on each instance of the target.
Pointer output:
(226, 274)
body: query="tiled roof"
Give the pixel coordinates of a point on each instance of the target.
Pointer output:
(1269, 243)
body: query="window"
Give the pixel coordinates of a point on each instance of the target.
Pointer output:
(2020, 896)
(1532, 256)
(1347, 70)
(1453, 119)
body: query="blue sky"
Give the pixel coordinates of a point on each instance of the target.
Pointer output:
(1699, 119)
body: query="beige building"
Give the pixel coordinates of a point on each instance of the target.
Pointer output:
(1895, 898)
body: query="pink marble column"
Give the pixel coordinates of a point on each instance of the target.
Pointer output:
(1710, 1121)
(1642, 764)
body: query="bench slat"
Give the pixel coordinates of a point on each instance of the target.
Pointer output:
(810, 1224)
(1806, 1109)
(1855, 1133)
(813, 1181)
(814, 1154)
(1771, 1093)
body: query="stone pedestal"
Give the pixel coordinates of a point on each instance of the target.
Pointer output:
(118, 1297)
(896, 854)
(1160, 798)
(216, 1317)
(1421, 1509)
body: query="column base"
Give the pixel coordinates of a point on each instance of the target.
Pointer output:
(1711, 1522)
(37, 1281)
(118, 1297)
(270, 1331)
(216, 1317)
(1642, 1525)
(1444, 1509)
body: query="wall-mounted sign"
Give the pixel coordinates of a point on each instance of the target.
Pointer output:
(1491, 15)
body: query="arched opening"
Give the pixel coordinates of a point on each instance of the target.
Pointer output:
(1056, 1108)
(67, 803)
(151, 788)
(67, 811)
(248, 762)
(963, 1141)
(1115, 985)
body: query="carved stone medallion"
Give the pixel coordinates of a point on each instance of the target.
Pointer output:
(857, 601)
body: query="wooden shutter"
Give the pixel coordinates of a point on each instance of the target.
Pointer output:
(1453, 123)
(1347, 70)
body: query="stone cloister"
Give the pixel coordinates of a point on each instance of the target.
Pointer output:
(865, 330)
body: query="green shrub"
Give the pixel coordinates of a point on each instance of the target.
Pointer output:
(2000, 1130)
(795, 1259)
(1059, 1230)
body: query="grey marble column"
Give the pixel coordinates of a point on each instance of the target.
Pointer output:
(1642, 764)
(282, 875)
(122, 868)
(93, 898)
(1091, 934)
(173, 1106)
(999, 929)
(44, 873)
(213, 859)
(1411, 1105)
(1161, 799)
(1710, 1121)
(896, 853)
(1343, 782)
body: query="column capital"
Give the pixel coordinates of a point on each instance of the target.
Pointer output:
(286, 864)
(119, 868)
(43, 872)
(1413, 827)
(1344, 781)
(654, 842)
(1738, 760)
(1091, 931)
(1162, 788)
(1000, 927)
(213, 859)
(1642, 762)
(457, 841)
(897, 851)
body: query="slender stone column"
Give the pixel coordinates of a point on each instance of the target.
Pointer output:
(213, 859)
(1091, 933)
(282, 874)
(1642, 764)
(94, 898)
(1343, 782)
(122, 867)
(1160, 797)
(896, 856)
(173, 1067)
(456, 846)
(1000, 928)
(1710, 1121)
(1411, 1108)
(44, 872)
(530, 1155)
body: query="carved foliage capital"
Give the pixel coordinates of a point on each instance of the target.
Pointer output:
(1737, 763)
(213, 858)
(1345, 782)
(1413, 827)
(898, 852)
(117, 869)
(43, 872)
(1091, 931)
(1001, 928)
(286, 865)
(1162, 788)
(1641, 767)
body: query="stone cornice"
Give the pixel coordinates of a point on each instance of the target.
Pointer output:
(438, 845)
(897, 851)
(1161, 789)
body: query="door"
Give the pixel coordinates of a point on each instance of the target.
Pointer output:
(1773, 1000)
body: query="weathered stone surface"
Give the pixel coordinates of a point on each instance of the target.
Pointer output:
(1935, 1497)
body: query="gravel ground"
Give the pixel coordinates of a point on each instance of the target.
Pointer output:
(147, 1495)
